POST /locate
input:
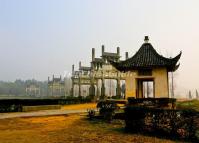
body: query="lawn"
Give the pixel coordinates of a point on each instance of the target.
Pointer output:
(190, 104)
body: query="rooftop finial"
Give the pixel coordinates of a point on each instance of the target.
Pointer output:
(146, 39)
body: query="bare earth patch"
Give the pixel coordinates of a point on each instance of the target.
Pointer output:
(64, 129)
(79, 106)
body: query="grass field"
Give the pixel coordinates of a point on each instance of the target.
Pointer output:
(190, 104)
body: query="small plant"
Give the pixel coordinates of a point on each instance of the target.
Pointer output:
(107, 109)
(91, 113)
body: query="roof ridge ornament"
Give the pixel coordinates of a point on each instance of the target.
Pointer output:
(146, 39)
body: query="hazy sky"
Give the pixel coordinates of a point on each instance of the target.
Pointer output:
(39, 38)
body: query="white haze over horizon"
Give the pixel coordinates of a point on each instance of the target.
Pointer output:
(39, 38)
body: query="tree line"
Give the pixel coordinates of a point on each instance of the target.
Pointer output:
(18, 87)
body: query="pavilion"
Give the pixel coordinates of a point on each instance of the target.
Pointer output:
(147, 66)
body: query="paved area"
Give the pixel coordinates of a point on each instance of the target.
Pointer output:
(40, 113)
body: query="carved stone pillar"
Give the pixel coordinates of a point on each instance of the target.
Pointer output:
(98, 92)
(92, 91)
(72, 89)
(118, 89)
(102, 90)
(80, 87)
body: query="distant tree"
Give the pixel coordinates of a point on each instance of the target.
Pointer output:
(172, 78)
(172, 83)
(190, 96)
(197, 96)
(18, 87)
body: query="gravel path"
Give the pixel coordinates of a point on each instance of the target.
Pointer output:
(40, 113)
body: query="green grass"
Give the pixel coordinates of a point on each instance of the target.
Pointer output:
(192, 104)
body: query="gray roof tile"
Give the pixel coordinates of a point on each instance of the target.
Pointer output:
(147, 57)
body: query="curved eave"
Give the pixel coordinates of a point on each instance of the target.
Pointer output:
(118, 67)
(171, 67)
(176, 59)
(124, 69)
(174, 66)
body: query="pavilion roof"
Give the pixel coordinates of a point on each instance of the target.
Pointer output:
(147, 57)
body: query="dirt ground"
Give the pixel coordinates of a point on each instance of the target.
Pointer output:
(79, 106)
(72, 128)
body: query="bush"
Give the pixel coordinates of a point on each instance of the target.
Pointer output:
(178, 123)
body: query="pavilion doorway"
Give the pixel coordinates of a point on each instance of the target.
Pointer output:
(145, 88)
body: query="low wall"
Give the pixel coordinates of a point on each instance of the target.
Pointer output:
(15, 105)
(42, 107)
